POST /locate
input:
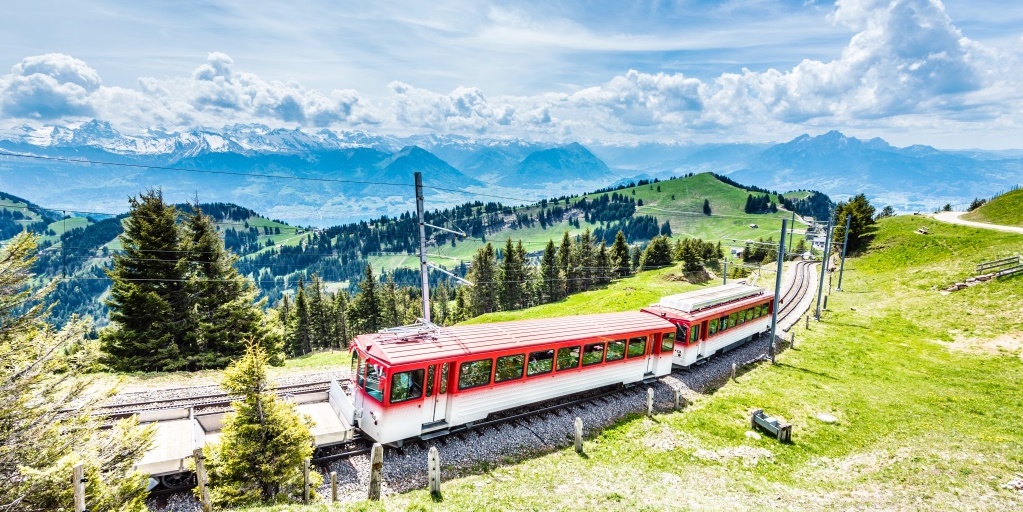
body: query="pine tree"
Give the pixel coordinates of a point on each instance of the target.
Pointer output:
(620, 256)
(263, 443)
(47, 403)
(513, 282)
(583, 261)
(689, 255)
(222, 313)
(364, 311)
(342, 331)
(319, 317)
(389, 300)
(300, 328)
(148, 302)
(602, 262)
(565, 265)
(527, 276)
(862, 218)
(657, 254)
(550, 284)
(706, 207)
(483, 296)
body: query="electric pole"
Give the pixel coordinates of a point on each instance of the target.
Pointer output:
(424, 277)
(777, 289)
(845, 243)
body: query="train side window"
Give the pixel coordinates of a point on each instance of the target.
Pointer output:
(509, 367)
(568, 357)
(731, 320)
(749, 314)
(615, 350)
(406, 385)
(740, 318)
(472, 374)
(712, 327)
(637, 346)
(359, 369)
(723, 326)
(756, 311)
(694, 333)
(540, 362)
(593, 354)
(668, 342)
(431, 372)
(444, 378)
(373, 385)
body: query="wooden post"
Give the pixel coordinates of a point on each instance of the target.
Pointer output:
(678, 399)
(78, 483)
(305, 481)
(333, 486)
(733, 371)
(200, 478)
(807, 321)
(433, 469)
(578, 435)
(825, 302)
(649, 401)
(792, 343)
(376, 461)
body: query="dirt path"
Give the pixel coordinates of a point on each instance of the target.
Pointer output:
(954, 218)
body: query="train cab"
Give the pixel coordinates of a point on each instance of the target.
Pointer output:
(714, 320)
(422, 381)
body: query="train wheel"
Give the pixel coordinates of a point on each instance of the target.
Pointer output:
(178, 480)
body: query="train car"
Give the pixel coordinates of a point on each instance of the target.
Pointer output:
(715, 319)
(421, 382)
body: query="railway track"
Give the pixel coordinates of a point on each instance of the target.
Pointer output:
(798, 288)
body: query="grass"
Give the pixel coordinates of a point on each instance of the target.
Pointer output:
(928, 412)
(1005, 209)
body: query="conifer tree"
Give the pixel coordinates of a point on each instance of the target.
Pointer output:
(389, 303)
(364, 311)
(483, 296)
(528, 275)
(602, 262)
(47, 424)
(657, 254)
(550, 284)
(565, 265)
(263, 442)
(343, 333)
(620, 256)
(222, 313)
(148, 302)
(583, 261)
(319, 318)
(513, 278)
(300, 330)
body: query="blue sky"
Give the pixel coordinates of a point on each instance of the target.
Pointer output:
(912, 71)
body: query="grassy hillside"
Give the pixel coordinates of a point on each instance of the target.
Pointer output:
(925, 387)
(1005, 209)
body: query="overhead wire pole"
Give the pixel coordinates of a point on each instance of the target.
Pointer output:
(792, 227)
(777, 290)
(824, 267)
(424, 277)
(845, 243)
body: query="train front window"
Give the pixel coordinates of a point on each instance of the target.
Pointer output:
(694, 334)
(593, 354)
(360, 370)
(474, 373)
(615, 350)
(540, 362)
(509, 367)
(568, 357)
(373, 385)
(406, 386)
(668, 342)
(637, 346)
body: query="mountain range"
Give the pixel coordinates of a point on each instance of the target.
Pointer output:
(352, 175)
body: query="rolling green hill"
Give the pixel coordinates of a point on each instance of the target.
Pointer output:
(1006, 209)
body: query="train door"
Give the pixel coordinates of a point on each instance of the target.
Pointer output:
(651, 354)
(437, 383)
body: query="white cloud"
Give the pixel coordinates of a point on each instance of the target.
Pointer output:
(48, 86)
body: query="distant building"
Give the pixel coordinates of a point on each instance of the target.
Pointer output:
(736, 252)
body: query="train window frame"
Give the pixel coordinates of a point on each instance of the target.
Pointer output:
(530, 359)
(621, 355)
(462, 385)
(578, 356)
(603, 350)
(377, 392)
(409, 386)
(636, 340)
(749, 315)
(731, 319)
(669, 338)
(445, 368)
(694, 333)
(431, 375)
(712, 326)
(723, 326)
(497, 368)
(359, 369)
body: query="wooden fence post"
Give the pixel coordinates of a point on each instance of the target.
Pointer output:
(376, 468)
(333, 486)
(433, 468)
(649, 401)
(200, 478)
(678, 399)
(305, 480)
(78, 482)
(792, 342)
(807, 321)
(733, 371)
(578, 435)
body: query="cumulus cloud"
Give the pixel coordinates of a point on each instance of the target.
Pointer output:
(49, 86)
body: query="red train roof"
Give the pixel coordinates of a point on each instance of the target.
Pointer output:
(462, 340)
(703, 314)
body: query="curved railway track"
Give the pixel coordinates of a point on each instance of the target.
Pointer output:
(797, 289)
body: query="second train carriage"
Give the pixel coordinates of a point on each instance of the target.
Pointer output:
(421, 382)
(715, 319)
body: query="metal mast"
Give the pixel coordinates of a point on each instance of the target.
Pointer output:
(777, 289)
(824, 267)
(424, 277)
(845, 243)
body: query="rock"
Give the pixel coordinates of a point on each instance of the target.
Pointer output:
(752, 435)
(827, 418)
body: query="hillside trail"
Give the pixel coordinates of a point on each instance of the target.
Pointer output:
(954, 218)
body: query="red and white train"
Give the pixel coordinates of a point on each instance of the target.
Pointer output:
(423, 381)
